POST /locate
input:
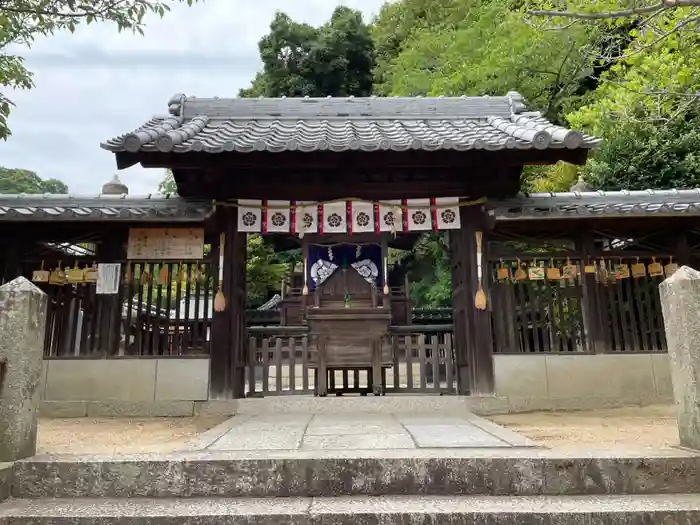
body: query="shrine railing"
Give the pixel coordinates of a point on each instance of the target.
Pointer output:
(279, 363)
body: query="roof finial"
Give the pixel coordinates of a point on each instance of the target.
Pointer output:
(115, 187)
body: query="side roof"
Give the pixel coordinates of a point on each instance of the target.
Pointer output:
(171, 208)
(86, 208)
(218, 125)
(611, 204)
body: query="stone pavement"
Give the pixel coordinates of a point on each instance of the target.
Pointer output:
(307, 432)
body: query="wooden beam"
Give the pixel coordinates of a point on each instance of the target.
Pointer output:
(315, 185)
(357, 159)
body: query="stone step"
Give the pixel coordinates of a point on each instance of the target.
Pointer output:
(365, 510)
(517, 472)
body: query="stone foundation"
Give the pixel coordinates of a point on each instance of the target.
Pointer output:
(179, 388)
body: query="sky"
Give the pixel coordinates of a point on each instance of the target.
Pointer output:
(97, 84)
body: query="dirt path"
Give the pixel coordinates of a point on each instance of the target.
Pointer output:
(648, 428)
(119, 435)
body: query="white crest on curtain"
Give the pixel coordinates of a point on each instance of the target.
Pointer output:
(367, 269)
(322, 270)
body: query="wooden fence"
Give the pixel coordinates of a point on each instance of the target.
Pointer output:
(162, 309)
(279, 357)
(607, 312)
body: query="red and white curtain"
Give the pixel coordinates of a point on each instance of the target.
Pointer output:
(276, 216)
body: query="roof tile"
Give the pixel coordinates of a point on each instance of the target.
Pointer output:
(538, 206)
(343, 124)
(158, 207)
(52, 207)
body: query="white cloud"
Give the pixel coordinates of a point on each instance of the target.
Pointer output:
(97, 83)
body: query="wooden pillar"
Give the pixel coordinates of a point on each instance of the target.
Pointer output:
(593, 335)
(112, 249)
(472, 327)
(228, 333)
(460, 316)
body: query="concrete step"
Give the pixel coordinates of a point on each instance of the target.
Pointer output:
(367, 510)
(523, 472)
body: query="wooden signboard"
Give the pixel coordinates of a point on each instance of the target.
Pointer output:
(158, 244)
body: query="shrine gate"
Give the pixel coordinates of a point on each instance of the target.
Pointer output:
(346, 180)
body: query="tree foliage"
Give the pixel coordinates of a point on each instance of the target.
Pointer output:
(23, 21)
(478, 47)
(428, 269)
(646, 110)
(25, 181)
(264, 272)
(300, 60)
(167, 185)
(610, 10)
(642, 156)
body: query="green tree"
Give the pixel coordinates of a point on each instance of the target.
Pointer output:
(25, 181)
(647, 12)
(543, 179)
(22, 21)
(168, 184)
(264, 272)
(643, 156)
(299, 60)
(428, 269)
(646, 110)
(479, 47)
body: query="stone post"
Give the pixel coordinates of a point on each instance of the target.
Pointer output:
(22, 332)
(680, 303)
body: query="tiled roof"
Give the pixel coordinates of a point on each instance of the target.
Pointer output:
(142, 208)
(538, 206)
(215, 125)
(159, 208)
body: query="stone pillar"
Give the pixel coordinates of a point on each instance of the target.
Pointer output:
(680, 303)
(22, 332)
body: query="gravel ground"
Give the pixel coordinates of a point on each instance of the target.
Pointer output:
(637, 428)
(119, 435)
(644, 428)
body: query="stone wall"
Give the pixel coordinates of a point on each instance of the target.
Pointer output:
(123, 387)
(547, 382)
(179, 387)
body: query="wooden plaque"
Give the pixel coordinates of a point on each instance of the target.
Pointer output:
(158, 244)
